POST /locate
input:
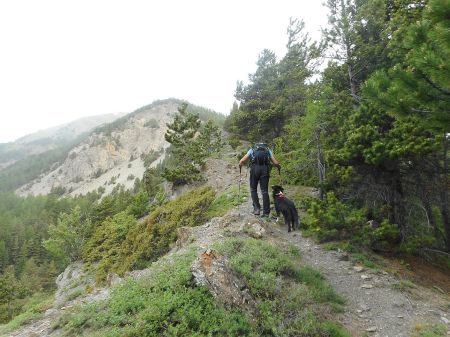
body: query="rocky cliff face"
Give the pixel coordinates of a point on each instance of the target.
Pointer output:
(110, 156)
(48, 139)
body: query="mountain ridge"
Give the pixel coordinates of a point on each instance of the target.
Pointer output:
(50, 138)
(110, 156)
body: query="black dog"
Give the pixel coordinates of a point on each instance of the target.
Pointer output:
(285, 206)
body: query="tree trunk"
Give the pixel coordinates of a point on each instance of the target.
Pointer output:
(352, 84)
(398, 209)
(444, 193)
(348, 55)
(320, 164)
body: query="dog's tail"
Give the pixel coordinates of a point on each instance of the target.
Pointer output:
(294, 217)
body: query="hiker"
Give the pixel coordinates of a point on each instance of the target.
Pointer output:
(261, 159)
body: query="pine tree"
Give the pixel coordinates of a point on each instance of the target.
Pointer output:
(417, 85)
(67, 237)
(30, 277)
(255, 114)
(3, 256)
(191, 143)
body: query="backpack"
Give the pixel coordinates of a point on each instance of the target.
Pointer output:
(261, 154)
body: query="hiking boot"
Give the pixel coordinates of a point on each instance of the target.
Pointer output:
(256, 211)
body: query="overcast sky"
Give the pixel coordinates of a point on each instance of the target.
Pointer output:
(62, 60)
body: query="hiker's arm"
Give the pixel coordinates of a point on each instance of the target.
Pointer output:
(243, 160)
(274, 161)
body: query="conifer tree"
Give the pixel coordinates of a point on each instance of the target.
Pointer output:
(67, 237)
(191, 143)
(3, 256)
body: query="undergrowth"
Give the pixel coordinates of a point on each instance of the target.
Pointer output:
(165, 303)
(36, 306)
(430, 330)
(292, 300)
(121, 243)
(227, 200)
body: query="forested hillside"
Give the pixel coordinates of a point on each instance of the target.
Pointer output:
(41, 235)
(62, 136)
(372, 132)
(361, 116)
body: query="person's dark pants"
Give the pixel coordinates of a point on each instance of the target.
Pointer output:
(260, 173)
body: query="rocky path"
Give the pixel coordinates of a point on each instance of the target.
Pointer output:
(373, 305)
(376, 304)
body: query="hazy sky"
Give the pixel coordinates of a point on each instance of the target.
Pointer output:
(62, 60)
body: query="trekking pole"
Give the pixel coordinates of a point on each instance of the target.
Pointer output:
(239, 188)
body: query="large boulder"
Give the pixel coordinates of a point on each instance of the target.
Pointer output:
(228, 288)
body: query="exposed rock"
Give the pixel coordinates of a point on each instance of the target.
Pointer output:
(255, 230)
(72, 282)
(212, 270)
(344, 257)
(358, 268)
(366, 277)
(113, 279)
(106, 159)
(183, 235)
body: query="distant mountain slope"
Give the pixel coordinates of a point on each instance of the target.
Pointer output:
(52, 138)
(112, 155)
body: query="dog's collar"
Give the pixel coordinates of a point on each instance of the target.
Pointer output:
(280, 195)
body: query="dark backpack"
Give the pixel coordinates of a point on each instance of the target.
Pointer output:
(261, 154)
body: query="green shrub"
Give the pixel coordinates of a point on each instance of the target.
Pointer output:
(98, 173)
(385, 237)
(120, 243)
(35, 306)
(58, 190)
(332, 219)
(153, 238)
(234, 142)
(291, 299)
(139, 206)
(429, 330)
(104, 246)
(165, 303)
(150, 157)
(226, 201)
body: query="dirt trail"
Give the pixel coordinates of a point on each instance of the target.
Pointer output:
(377, 302)
(373, 304)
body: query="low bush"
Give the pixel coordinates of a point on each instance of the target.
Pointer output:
(234, 142)
(104, 246)
(227, 200)
(35, 305)
(165, 303)
(120, 243)
(153, 238)
(332, 219)
(292, 300)
(430, 330)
